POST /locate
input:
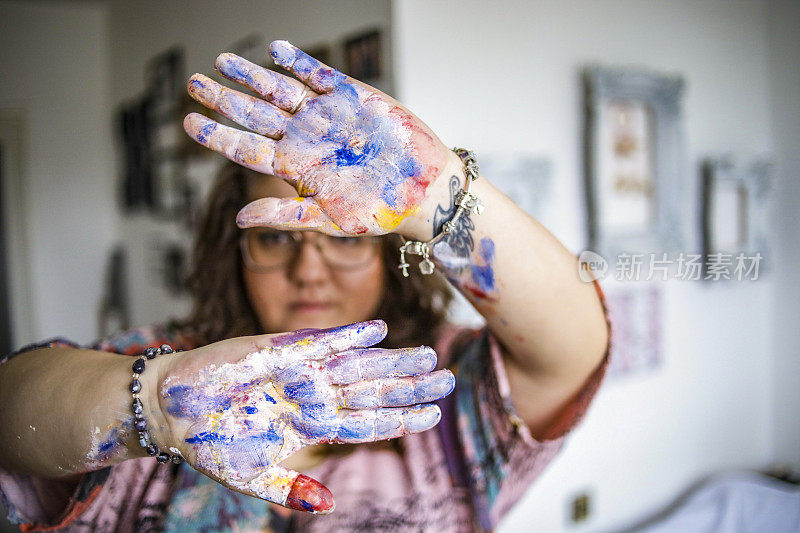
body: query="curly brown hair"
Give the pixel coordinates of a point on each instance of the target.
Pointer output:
(413, 307)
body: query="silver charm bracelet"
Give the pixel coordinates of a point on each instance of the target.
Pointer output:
(465, 201)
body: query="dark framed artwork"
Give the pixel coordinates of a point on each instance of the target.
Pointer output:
(165, 84)
(133, 128)
(633, 160)
(165, 95)
(362, 56)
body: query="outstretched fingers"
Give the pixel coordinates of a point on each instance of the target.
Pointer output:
(370, 425)
(371, 363)
(282, 91)
(320, 423)
(287, 214)
(248, 149)
(248, 111)
(312, 72)
(290, 489)
(373, 378)
(319, 343)
(397, 392)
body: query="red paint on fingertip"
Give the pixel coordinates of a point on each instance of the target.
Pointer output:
(310, 495)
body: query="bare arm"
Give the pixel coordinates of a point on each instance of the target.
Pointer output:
(525, 283)
(234, 409)
(66, 411)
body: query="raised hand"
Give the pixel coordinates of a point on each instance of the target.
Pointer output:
(359, 160)
(235, 417)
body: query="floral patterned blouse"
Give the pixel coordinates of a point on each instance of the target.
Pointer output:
(463, 475)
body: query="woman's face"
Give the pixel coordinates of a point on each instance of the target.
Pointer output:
(306, 292)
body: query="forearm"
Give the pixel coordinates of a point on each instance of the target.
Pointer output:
(65, 411)
(522, 280)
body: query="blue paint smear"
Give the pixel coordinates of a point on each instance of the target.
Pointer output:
(179, 402)
(330, 77)
(241, 387)
(110, 446)
(185, 402)
(317, 411)
(317, 421)
(483, 275)
(302, 390)
(233, 69)
(315, 430)
(346, 156)
(209, 436)
(400, 396)
(352, 431)
(105, 446)
(239, 108)
(197, 83)
(409, 166)
(269, 436)
(307, 506)
(383, 153)
(205, 132)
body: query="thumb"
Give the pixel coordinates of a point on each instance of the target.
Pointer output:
(291, 489)
(287, 214)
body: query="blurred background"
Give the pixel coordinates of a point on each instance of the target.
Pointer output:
(632, 128)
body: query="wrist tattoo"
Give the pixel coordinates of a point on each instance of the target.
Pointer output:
(467, 268)
(459, 241)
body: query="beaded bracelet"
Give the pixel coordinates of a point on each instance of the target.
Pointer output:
(465, 201)
(139, 423)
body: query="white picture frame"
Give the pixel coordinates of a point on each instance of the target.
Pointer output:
(634, 160)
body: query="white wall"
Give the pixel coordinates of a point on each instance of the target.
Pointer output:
(783, 19)
(497, 77)
(55, 71)
(204, 28)
(503, 77)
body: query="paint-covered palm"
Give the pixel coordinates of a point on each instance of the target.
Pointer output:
(237, 408)
(360, 161)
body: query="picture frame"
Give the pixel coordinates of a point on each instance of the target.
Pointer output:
(633, 159)
(735, 207)
(165, 95)
(362, 56)
(637, 313)
(166, 83)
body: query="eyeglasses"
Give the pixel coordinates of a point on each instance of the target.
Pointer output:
(265, 249)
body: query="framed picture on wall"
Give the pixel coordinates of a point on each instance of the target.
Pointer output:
(362, 56)
(166, 87)
(633, 160)
(165, 84)
(735, 208)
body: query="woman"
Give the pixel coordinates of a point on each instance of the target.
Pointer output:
(244, 411)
